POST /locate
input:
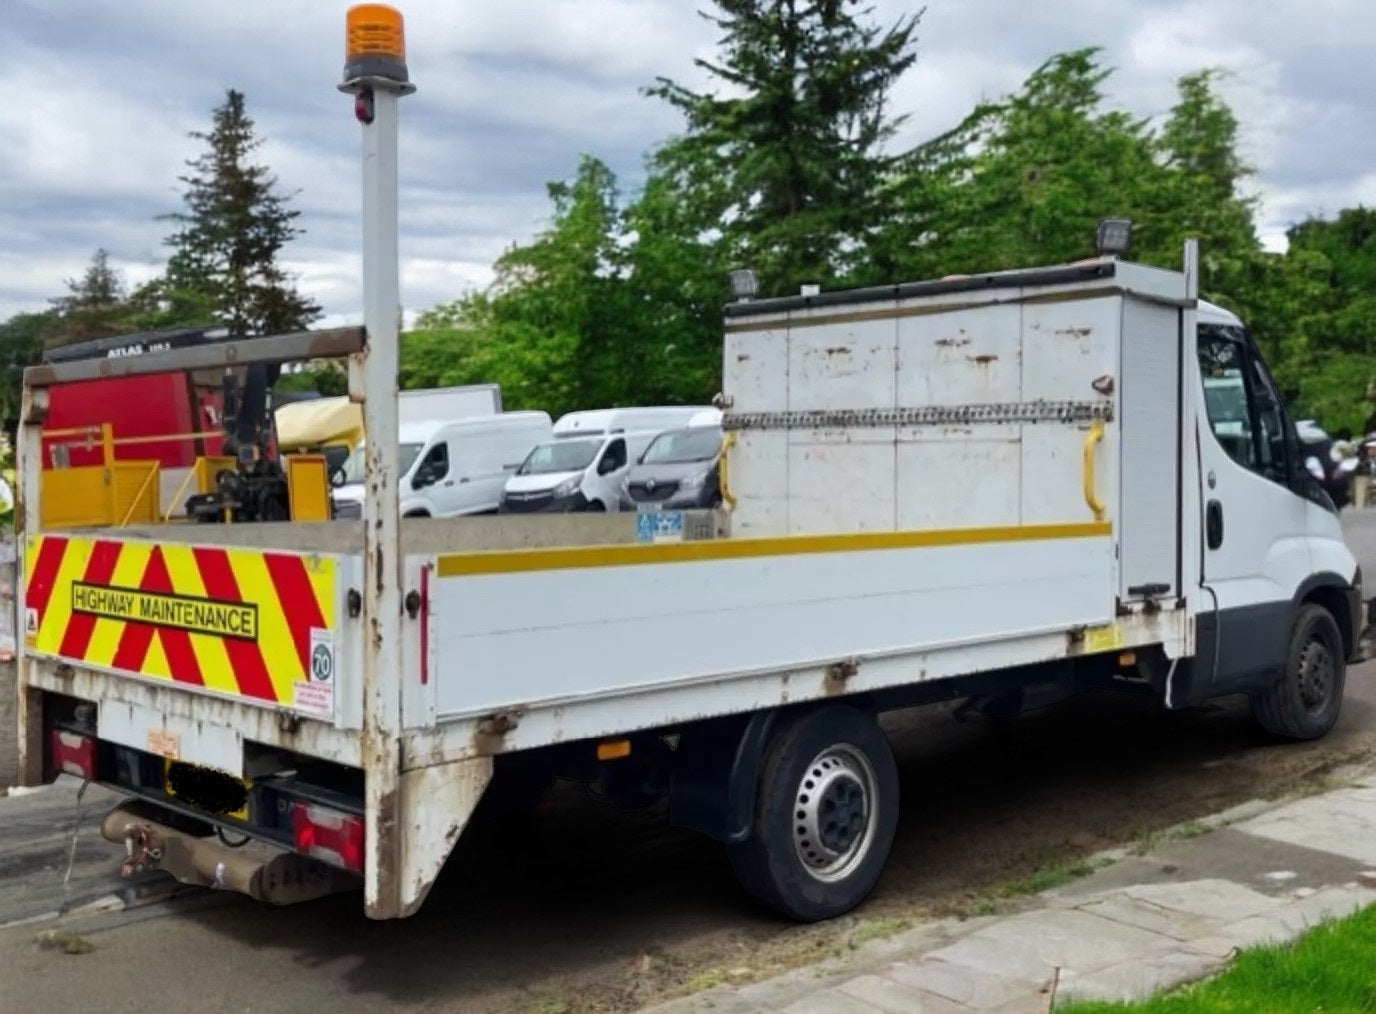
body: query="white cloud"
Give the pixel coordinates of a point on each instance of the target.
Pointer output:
(100, 97)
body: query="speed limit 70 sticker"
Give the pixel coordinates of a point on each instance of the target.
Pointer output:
(315, 694)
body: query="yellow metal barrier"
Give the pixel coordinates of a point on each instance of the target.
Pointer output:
(94, 496)
(1092, 438)
(308, 487)
(143, 504)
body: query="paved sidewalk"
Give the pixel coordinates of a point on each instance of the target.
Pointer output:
(1261, 873)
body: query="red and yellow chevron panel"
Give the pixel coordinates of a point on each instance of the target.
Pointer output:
(243, 622)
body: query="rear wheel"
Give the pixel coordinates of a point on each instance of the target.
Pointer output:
(1304, 702)
(825, 814)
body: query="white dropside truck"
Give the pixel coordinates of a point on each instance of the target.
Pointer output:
(1006, 488)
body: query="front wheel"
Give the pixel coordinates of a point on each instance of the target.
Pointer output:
(825, 814)
(1304, 702)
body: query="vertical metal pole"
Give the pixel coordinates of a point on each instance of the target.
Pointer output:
(382, 596)
(28, 512)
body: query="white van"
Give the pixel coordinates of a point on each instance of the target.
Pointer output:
(581, 468)
(450, 468)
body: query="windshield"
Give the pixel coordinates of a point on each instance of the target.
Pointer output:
(700, 443)
(560, 456)
(353, 468)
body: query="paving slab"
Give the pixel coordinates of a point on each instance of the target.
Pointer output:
(896, 998)
(1029, 946)
(957, 983)
(1342, 822)
(831, 1001)
(1139, 977)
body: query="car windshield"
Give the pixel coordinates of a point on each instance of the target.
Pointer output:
(560, 456)
(700, 443)
(353, 468)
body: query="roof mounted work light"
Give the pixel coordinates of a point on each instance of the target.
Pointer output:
(1114, 237)
(745, 284)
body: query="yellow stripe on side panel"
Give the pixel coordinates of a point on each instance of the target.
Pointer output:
(527, 560)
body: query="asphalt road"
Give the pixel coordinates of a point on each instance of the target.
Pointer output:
(576, 907)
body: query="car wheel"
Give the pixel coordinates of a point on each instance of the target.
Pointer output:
(1304, 702)
(826, 810)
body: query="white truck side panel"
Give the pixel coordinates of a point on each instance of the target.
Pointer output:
(961, 357)
(511, 640)
(848, 364)
(1148, 387)
(919, 355)
(983, 469)
(841, 480)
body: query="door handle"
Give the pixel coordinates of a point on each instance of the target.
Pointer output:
(463, 480)
(1213, 524)
(450, 482)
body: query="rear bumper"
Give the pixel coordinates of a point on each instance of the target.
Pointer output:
(262, 871)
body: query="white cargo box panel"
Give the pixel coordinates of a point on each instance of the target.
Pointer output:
(966, 402)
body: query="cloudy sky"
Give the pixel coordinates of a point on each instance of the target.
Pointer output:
(100, 97)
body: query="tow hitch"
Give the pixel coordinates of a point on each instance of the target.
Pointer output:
(262, 871)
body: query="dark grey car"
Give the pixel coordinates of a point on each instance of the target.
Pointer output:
(678, 471)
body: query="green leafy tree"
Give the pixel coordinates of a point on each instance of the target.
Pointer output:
(225, 248)
(22, 339)
(789, 166)
(1021, 181)
(1202, 193)
(551, 327)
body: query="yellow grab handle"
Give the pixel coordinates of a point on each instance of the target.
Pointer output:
(723, 476)
(1092, 438)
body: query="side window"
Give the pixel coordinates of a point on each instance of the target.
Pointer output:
(1244, 410)
(1272, 431)
(614, 457)
(1225, 394)
(433, 467)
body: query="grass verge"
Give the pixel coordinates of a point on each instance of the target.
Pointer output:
(1331, 968)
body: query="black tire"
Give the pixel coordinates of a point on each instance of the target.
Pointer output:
(843, 749)
(1304, 702)
(597, 507)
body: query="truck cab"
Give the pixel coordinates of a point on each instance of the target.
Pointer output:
(1275, 569)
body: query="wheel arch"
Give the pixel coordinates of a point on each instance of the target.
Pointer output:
(1341, 598)
(716, 773)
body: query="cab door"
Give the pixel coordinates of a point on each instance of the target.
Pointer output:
(1255, 540)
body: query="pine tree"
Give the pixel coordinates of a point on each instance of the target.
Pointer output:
(96, 304)
(792, 166)
(225, 251)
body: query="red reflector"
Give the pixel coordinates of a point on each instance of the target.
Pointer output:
(73, 753)
(328, 835)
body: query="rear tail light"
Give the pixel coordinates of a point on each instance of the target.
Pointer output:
(328, 835)
(73, 753)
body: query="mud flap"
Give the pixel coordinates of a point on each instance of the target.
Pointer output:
(437, 803)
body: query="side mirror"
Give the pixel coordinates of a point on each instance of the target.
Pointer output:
(337, 477)
(606, 466)
(422, 478)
